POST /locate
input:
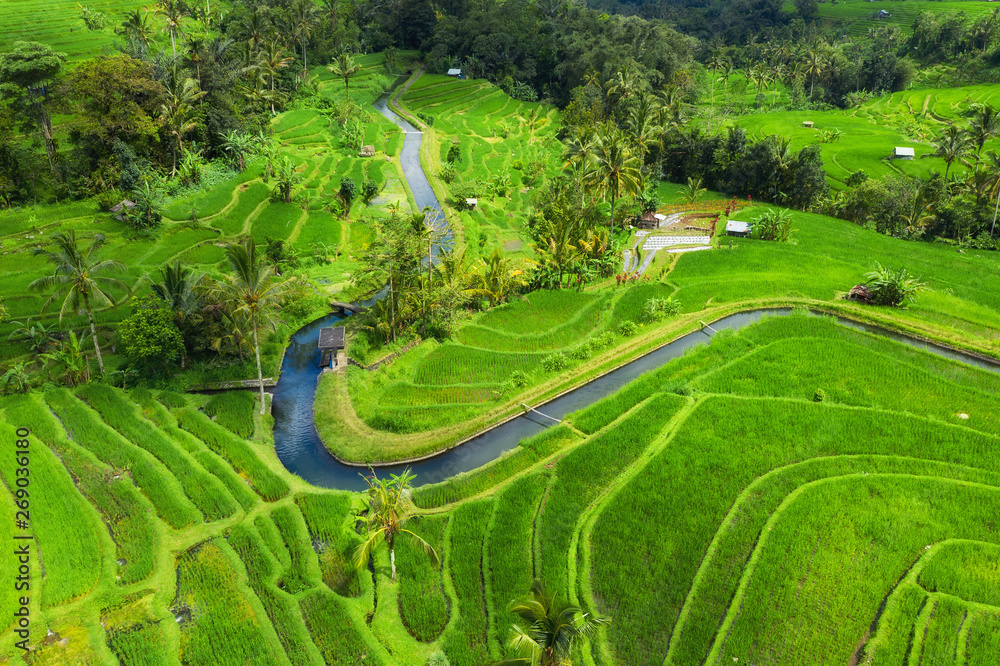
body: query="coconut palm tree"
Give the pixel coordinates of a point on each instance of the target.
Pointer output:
(984, 126)
(136, 28)
(694, 190)
(178, 289)
(388, 503)
(180, 113)
(273, 60)
(499, 278)
(345, 68)
(554, 629)
(80, 276)
(953, 146)
(255, 292)
(616, 170)
(815, 64)
(171, 12)
(714, 64)
(303, 17)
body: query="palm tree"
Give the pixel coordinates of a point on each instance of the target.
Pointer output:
(499, 278)
(274, 60)
(642, 124)
(171, 11)
(616, 170)
(178, 289)
(255, 27)
(303, 16)
(952, 146)
(79, 274)
(196, 53)
(554, 629)
(136, 27)
(179, 113)
(714, 64)
(344, 67)
(984, 126)
(331, 8)
(814, 66)
(388, 501)
(694, 190)
(254, 292)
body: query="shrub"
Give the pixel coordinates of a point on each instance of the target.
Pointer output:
(773, 225)
(454, 154)
(581, 351)
(658, 309)
(428, 119)
(520, 379)
(605, 339)
(438, 659)
(628, 328)
(369, 190)
(885, 286)
(555, 362)
(819, 395)
(856, 178)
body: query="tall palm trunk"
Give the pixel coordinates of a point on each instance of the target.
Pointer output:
(260, 375)
(93, 332)
(611, 229)
(392, 561)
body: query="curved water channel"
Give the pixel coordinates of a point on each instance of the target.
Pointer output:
(298, 445)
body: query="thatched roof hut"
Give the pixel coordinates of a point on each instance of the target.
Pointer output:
(649, 221)
(367, 151)
(121, 208)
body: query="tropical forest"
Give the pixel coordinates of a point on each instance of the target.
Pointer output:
(489, 332)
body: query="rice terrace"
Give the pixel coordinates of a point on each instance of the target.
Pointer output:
(457, 334)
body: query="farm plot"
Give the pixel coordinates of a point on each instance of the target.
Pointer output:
(490, 129)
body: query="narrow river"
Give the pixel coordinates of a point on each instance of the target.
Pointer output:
(298, 445)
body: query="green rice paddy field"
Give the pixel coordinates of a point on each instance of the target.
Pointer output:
(854, 16)
(242, 205)
(796, 492)
(58, 23)
(911, 118)
(495, 140)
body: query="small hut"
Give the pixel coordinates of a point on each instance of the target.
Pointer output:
(119, 209)
(331, 340)
(807, 123)
(470, 204)
(367, 151)
(456, 73)
(901, 153)
(649, 221)
(737, 228)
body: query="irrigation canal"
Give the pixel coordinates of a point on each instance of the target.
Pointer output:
(298, 445)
